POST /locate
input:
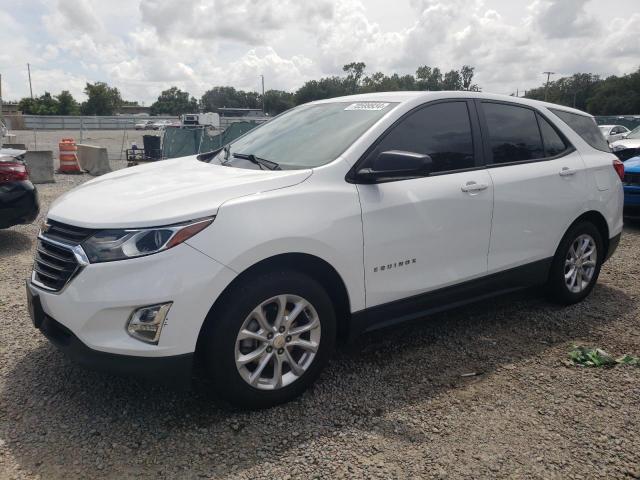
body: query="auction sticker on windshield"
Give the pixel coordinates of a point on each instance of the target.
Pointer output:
(367, 106)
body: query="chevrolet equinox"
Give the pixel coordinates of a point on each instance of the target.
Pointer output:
(334, 218)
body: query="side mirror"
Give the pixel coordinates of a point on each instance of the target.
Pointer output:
(393, 165)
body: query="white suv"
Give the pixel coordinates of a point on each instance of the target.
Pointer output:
(337, 217)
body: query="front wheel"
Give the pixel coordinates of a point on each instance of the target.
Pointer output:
(270, 339)
(577, 263)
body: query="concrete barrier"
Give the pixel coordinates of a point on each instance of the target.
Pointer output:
(40, 164)
(94, 160)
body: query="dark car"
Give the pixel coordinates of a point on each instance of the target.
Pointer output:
(18, 196)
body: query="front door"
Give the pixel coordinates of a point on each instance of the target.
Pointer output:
(425, 233)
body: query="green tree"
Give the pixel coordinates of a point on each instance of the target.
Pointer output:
(616, 95)
(67, 105)
(466, 72)
(327, 87)
(102, 99)
(452, 80)
(174, 102)
(428, 78)
(28, 106)
(610, 96)
(43, 105)
(278, 101)
(355, 72)
(219, 97)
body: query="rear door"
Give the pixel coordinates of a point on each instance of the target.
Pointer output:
(539, 183)
(424, 233)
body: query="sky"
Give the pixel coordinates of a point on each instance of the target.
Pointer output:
(145, 46)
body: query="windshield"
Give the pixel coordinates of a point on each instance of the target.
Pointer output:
(307, 136)
(635, 134)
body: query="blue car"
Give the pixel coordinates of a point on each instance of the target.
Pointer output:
(632, 187)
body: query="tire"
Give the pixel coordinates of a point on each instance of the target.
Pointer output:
(224, 351)
(568, 290)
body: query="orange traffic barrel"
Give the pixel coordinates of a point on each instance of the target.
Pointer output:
(68, 156)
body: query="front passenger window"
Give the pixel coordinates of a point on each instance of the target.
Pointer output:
(442, 131)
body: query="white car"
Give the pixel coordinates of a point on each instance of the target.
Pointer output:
(613, 133)
(632, 140)
(160, 124)
(144, 125)
(337, 217)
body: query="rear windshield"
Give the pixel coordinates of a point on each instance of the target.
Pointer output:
(635, 134)
(586, 127)
(307, 136)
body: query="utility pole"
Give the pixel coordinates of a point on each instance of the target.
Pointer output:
(546, 88)
(262, 77)
(1, 104)
(30, 88)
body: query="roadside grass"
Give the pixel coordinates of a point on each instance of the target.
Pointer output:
(597, 357)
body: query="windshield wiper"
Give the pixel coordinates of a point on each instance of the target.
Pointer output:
(257, 160)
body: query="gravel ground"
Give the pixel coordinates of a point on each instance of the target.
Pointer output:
(395, 405)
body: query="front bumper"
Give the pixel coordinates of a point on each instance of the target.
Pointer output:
(173, 370)
(87, 319)
(18, 203)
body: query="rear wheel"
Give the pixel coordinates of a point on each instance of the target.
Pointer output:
(577, 263)
(270, 339)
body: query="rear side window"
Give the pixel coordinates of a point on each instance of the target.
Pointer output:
(442, 131)
(585, 127)
(513, 133)
(553, 142)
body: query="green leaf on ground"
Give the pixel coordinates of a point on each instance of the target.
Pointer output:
(599, 358)
(628, 360)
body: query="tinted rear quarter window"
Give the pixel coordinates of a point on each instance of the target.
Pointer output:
(553, 142)
(442, 131)
(585, 127)
(513, 133)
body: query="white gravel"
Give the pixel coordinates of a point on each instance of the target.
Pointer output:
(395, 405)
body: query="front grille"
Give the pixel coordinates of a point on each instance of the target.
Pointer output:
(55, 261)
(67, 233)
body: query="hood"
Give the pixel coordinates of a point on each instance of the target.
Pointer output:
(162, 193)
(632, 165)
(627, 143)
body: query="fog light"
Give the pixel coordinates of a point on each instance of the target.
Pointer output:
(145, 324)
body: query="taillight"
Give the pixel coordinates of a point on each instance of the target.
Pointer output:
(13, 172)
(618, 166)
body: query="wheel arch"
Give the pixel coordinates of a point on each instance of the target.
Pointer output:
(314, 266)
(594, 217)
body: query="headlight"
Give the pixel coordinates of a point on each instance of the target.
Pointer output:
(119, 244)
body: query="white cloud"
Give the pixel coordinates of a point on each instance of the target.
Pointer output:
(563, 19)
(145, 46)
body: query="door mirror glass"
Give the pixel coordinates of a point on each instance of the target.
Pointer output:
(395, 164)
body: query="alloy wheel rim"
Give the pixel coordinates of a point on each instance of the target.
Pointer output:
(277, 342)
(580, 263)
